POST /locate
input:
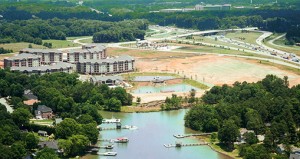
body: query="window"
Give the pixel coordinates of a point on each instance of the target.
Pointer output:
(107, 67)
(76, 57)
(51, 57)
(96, 68)
(126, 65)
(17, 63)
(115, 67)
(29, 62)
(121, 66)
(43, 57)
(91, 56)
(68, 57)
(23, 62)
(60, 57)
(84, 55)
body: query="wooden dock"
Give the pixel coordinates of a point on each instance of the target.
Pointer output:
(115, 128)
(190, 135)
(185, 145)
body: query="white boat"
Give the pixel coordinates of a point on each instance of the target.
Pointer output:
(121, 140)
(130, 127)
(108, 153)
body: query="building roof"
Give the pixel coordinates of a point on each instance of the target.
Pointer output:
(31, 50)
(23, 56)
(105, 78)
(44, 109)
(89, 48)
(55, 66)
(58, 120)
(49, 144)
(108, 60)
(29, 95)
(42, 132)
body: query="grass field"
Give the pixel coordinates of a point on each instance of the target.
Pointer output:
(60, 43)
(250, 37)
(76, 37)
(16, 47)
(280, 44)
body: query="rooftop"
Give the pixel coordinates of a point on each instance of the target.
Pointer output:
(105, 78)
(58, 65)
(109, 60)
(31, 50)
(23, 56)
(44, 109)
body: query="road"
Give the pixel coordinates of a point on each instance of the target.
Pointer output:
(8, 107)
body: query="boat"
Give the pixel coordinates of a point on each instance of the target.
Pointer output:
(122, 140)
(130, 127)
(108, 154)
(179, 136)
(109, 146)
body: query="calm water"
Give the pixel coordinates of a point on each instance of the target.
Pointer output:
(154, 130)
(172, 88)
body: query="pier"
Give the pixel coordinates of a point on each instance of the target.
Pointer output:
(118, 127)
(178, 144)
(190, 135)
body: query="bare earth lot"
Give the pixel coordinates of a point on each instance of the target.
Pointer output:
(212, 69)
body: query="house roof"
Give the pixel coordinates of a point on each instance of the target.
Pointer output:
(30, 101)
(44, 109)
(23, 56)
(29, 95)
(49, 144)
(89, 48)
(42, 132)
(58, 120)
(105, 78)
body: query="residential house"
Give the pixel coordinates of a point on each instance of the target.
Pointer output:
(42, 133)
(43, 112)
(31, 98)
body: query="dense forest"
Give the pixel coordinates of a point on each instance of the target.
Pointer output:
(36, 30)
(268, 107)
(75, 101)
(72, 20)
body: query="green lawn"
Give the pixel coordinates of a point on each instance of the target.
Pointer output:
(207, 49)
(16, 47)
(61, 43)
(90, 40)
(76, 37)
(250, 37)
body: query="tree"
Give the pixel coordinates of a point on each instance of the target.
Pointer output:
(31, 141)
(18, 150)
(253, 120)
(113, 104)
(46, 153)
(67, 128)
(228, 133)
(85, 119)
(90, 130)
(21, 116)
(250, 138)
(74, 145)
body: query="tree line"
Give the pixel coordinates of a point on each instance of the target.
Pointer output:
(36, 30)
(268, 107)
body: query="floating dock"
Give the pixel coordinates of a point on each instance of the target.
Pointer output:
(185, 145)
(190, 135)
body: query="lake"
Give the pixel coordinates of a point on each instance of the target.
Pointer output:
(154, 130)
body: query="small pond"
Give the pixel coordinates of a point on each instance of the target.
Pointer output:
(162, 89)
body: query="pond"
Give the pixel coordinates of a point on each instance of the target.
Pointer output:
(166, 88)
(154, 130)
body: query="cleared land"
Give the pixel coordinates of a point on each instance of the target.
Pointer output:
(208, 69)
(61, 43)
